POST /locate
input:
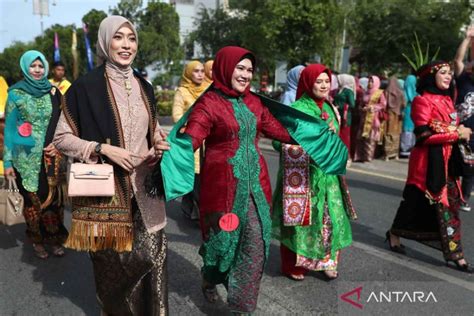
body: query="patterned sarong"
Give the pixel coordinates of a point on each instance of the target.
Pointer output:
(296, 187)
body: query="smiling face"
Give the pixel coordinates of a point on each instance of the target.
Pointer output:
(123, 47)
(321, 86)
(36, 69)
(443, 78)
(197, 75)
(242, 75)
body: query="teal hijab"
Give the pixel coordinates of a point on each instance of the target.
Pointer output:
(36, 88)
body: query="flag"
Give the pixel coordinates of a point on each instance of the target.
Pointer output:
(75, 65)
(90, 61)
(57, 55)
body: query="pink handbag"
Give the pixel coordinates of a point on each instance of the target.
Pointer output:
(91, 180)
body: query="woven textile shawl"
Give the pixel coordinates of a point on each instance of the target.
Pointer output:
(296, 189)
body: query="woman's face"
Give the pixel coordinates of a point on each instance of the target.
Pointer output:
(36, 70)
(197, 75)
(123, 47)
(443, 78)
(242, 75)
(370, 84)
(321, 86)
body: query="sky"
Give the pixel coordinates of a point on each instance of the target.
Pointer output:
(17, 22)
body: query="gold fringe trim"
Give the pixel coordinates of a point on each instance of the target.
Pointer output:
(95, 236)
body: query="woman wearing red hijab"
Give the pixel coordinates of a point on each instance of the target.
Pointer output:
(304, 191)
(235, 198)
(236, 192)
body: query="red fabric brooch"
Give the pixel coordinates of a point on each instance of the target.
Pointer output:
(324, 115)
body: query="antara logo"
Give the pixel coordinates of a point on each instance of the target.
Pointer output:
(388, 297)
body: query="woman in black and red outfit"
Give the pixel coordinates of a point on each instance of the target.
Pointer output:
(429, 210)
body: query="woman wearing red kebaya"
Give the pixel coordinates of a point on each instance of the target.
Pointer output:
(429, 210)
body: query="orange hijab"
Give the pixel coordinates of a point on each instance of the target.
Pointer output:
(187, 82)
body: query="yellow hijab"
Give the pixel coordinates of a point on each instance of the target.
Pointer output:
(187, 82)
(207, 72)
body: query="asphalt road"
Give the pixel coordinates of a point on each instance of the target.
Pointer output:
(418, 283)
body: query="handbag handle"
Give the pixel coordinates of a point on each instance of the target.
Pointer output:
(12, 186)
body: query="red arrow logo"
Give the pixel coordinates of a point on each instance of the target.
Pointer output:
(345, 297)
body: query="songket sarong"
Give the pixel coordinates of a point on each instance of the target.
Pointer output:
(435, 225)
(392, 135)
(136, 282)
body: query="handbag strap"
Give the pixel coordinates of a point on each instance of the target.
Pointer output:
(12, 184)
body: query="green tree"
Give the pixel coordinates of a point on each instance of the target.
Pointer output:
(159, 36)
(129, 9)
(291, 30)
(10, 61)
(213, 31)
(383, 30)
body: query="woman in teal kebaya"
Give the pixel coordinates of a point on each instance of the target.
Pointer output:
(311, 209)
(32, 113)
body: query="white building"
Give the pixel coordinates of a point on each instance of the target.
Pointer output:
(188, 11)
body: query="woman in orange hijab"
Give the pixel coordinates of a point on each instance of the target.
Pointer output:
(208, 72)
(191, 87)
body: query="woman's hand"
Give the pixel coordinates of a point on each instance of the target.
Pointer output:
(118, 155)
(464, 132)
(151, 158)
(161, 145)
(10, 173)
(50, 150)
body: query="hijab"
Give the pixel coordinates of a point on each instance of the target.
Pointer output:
(334, 83)
(427, 74)
(187, 80)
(307, 79)
(363, 82)
(226, 59)
(410, 88)
(375, 85)
(395, 96)
(292, 79)
(346, 81)
(207, 72)
(107, 29)
(36, 88)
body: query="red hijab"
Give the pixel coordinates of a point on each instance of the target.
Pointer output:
(224, 64)
(307, 79)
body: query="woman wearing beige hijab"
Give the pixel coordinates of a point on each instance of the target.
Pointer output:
(190, 88)
(109, 115)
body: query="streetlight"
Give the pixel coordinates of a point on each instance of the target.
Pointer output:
(41, 8)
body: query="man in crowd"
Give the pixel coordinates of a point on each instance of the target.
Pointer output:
(59, 77)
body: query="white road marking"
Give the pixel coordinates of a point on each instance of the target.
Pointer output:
(415, 266)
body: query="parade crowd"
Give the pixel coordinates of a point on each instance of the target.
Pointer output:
(321, 124)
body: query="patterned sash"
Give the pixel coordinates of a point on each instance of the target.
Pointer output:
(296, 187)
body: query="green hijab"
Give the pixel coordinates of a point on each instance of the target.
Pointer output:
(36, 88)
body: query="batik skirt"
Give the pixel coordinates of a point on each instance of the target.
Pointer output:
(133, 283)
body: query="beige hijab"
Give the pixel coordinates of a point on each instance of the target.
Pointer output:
(107, 29)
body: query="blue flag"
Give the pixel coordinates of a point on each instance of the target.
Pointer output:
(90, 60)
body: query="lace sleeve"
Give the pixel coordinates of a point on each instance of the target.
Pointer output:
(70, 145)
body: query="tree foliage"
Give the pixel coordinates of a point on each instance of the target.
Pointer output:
(384, 30)
(291, 30)
(158, 38)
